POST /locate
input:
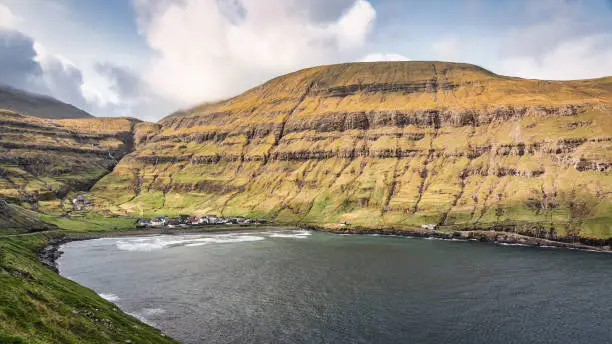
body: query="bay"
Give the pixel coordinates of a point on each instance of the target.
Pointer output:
(293, 286)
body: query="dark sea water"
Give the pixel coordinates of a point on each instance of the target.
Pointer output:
(300, 287)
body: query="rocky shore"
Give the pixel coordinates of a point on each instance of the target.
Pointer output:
(49, 255)
(476, 235)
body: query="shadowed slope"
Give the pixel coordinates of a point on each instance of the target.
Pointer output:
(37, 105)
(14, 219)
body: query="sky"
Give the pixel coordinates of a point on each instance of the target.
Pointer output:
(149, 58)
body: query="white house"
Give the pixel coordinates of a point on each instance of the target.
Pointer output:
(212, 219)
(158, 222)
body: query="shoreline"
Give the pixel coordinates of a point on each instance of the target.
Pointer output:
(481, 236)
(49, 254)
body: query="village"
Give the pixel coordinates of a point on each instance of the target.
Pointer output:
(188, 220)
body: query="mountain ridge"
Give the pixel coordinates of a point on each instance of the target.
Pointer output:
(454, 65)
(38, 105)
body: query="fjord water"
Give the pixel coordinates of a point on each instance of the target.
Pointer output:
(289, 286)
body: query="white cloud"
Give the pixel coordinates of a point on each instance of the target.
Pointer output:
(447, 49)
(557, 40)
(99, 95)
(128, 95)
(353, 27)
(7, 18)
(378, 57)
(584, 57)
(63, 80)
(565, 44)
(207, 52)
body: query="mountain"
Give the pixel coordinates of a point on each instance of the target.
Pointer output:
(385, 145)
(37, 105)
(43, 161)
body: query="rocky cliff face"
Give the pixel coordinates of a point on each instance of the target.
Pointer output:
(384, 145)
(43, 161)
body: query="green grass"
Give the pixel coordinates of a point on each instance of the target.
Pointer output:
(39, 306)
(357, 190)
(90, 222)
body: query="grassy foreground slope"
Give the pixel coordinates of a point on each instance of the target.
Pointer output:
(39, 306)
(390, 145)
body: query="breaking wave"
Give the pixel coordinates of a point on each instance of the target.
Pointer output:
(152, 311)
(156, 243)
(141, 318)
(144, 244)
(109, 297)
(144, 314)
(223, 240)
(164, 241)
(294, 235)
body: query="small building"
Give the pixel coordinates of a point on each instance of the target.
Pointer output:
(212, 219)
(158, 222)
(429, 226)
(80, 202)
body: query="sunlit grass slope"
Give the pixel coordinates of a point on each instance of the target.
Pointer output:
(391, 144)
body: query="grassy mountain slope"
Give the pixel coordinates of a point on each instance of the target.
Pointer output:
(39, 306)
(44, 161)
(14, 219)
(37, 105)
(389, 144)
